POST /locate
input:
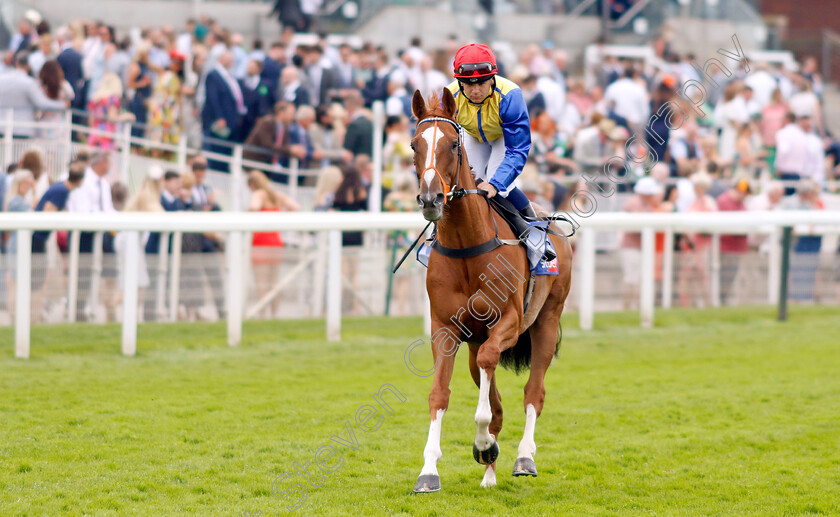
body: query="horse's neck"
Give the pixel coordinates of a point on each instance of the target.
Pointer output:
(466, 221)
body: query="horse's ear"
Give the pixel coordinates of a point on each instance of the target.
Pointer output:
(418, 105)
(448, 103)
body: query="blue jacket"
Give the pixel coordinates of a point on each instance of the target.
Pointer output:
(220, 103)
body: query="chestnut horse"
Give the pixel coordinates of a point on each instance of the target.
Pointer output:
(480, 299)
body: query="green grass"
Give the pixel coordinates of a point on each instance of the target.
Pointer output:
(713, 412)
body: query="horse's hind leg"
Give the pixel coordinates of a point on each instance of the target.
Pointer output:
(543, 345)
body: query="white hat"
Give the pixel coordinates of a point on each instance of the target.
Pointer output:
(155, 172)
(647, 186)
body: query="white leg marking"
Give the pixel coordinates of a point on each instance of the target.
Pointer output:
(483, 415)
(489, 477)
(527, 447)
(432, 451)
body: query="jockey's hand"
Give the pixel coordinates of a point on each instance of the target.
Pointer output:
(490, 189)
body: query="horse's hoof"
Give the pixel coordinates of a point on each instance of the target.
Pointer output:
(524, 467)
(486, 457)
(427, 483)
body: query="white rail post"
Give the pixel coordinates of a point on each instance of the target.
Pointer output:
(182, 154)
(320, 273)
(334, 286)
(24, 293)
(668, 269)
(73, 279)
(68, 137)
(131, 268)
(648, 287)
(774, 266)
(160, 290)
(96, 272)
(237, 176)
(294, 174)
(235, 281)
(175, 280)
(375, 204)
(8, 142)
(125, 155)
(714, 275)
(585, 256)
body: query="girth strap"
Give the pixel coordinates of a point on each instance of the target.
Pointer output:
(472, 251)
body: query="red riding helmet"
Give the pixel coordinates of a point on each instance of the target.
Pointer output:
(474, 63)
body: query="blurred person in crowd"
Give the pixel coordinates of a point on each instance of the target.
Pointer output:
(105, 109)
(771, 121)
(33, 161)
(327, 139)
(376, 86)
(657, 132)
(139, 80)
(534, 98)
(223, 110)
(762, 83)
(792, 154)
(749, 152)
(23, 39)
(257, 96)
(730, 116)
(70, 60)
(805, 104)
(648, 193)
(165, 104)
(398, 102)
(56, 88)
(401, 199)
(686, 151)
(54, 200)
(41, 54)
(733, 247)
(323, 80)
(358, 138)
(694, 270)
(22, 93)
(272, 67)
(431, 79)
(752, 105)
(15, 201)
(549, 146)
(292, 89)
(804, 261)
(240, 57)
(351, 196)
(592, 143)
(184, 41)
(629, 98)
(815, 166)
(397, 155)
(580, 99)
(146, 199)
(305, 119)
(325, 188)
(266, 254)
(276, 138)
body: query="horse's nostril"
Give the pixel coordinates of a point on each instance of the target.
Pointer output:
(439, 198)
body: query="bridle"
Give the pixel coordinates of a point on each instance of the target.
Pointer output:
(452, 192)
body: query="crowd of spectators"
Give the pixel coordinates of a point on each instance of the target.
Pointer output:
(303, 99)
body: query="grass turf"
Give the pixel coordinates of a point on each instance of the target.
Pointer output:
(713, 412)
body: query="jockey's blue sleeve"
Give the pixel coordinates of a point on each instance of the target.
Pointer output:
(516, 130)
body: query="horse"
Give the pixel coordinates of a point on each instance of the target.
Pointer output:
(497, 327)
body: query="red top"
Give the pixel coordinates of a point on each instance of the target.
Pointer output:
(267, 239)
(731, 243)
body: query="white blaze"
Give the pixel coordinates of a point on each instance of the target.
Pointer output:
(432, 136)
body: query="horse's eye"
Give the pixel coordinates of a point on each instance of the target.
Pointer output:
(455, 145)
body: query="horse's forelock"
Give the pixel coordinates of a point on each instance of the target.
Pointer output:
(434, 108)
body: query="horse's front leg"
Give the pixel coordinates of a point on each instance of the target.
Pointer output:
(443, 352)
(485, 446)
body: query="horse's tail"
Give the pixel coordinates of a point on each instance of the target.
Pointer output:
(518, 357)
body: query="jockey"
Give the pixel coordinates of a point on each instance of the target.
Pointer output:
(494, 116)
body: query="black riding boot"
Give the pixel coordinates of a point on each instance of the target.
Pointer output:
(529, 215)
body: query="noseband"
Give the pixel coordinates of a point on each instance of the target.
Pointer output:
(454, 192)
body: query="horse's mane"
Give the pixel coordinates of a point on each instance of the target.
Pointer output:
(434, 108)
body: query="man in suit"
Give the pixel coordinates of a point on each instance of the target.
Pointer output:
(275, 139)
(292, 89)
(324, 139)
(257, 95)
(359, 136)
(324, 81)
(224, 108)
(22, 93)
(70, 61)
(272, 67)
